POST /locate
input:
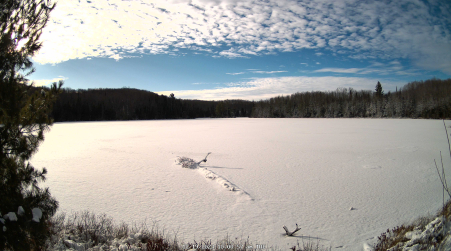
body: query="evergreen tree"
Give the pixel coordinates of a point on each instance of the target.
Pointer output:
(24, 117)
(378, 91)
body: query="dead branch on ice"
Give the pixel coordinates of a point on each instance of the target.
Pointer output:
(291, 233)
(205, 159)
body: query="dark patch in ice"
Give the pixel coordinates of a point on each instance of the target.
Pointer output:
(372, 166)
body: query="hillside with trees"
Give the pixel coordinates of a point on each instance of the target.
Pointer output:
(419, 99)
(133, 104)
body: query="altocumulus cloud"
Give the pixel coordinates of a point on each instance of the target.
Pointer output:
(265, 88)
(413, 29)
(394, 67)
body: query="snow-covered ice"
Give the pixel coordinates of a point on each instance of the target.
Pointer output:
(262, 174)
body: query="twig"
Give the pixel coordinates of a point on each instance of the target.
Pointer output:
(291, 233)
(447, 137)
(204, 160)
(441, 178)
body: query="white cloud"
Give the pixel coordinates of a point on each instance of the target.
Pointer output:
(363, 29)
(268, 72)
(393, 67)
(231, 54)
(340, 70)
(264, 88)
(257, 71)
(42, 82)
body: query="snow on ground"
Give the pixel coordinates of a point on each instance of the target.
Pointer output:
(285, 171)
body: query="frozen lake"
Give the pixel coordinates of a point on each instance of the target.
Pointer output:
(288, 171)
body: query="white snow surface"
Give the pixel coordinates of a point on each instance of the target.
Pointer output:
(262, 174)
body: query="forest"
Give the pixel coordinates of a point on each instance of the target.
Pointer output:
(133, 104)
(420, 99)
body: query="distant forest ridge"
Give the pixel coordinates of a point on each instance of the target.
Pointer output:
(419, 99)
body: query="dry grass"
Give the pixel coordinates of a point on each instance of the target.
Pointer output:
(86, 231)
(446, 211)
(310, 246)
(393, 238)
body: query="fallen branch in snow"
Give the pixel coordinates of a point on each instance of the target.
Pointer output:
(205, 159)
(291, 233)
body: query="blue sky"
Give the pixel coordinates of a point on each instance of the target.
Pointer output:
(229, 49)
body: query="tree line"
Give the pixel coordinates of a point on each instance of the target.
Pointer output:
(418, 99)
(134, 104)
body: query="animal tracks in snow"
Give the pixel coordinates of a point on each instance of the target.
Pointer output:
(208, 174)
(223, 181)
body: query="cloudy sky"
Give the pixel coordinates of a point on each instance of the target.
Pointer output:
(230, 49)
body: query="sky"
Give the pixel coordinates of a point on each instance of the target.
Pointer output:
(252, 50)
